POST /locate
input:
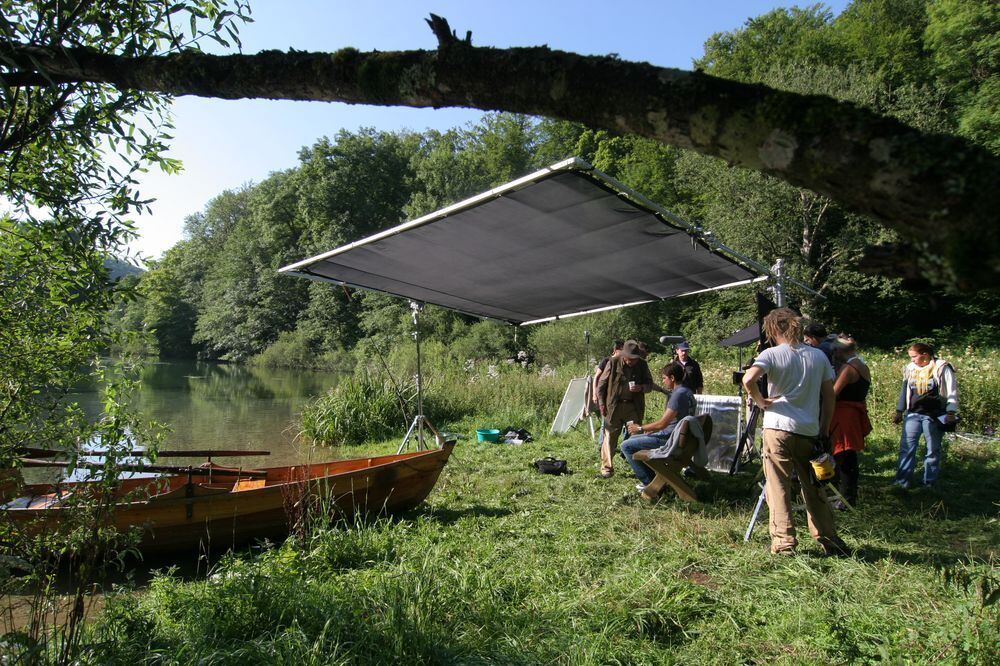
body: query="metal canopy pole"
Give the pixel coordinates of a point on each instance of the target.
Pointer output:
(779, 283)
(419, 420)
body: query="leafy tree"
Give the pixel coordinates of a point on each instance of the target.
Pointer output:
(964, 38)
(883, 37)
(70, 153)
(170, 305)
(348, 188)
(788, 35)
(245, 304)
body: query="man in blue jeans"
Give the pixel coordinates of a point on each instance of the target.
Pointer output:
(656, 434)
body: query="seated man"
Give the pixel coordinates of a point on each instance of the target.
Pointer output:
(656, 434)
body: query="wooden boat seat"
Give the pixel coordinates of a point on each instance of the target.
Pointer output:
(249, 484)
(45, 501)
(669, 471)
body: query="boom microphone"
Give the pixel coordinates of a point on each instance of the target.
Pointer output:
(671, 339)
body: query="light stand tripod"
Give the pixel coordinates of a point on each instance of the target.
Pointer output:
(588, 393)
(744, 447)
(419, 420)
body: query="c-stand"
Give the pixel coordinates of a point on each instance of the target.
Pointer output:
(746, 439)
(420, 421)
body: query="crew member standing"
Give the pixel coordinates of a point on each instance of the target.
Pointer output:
(592, 404)
(693, 379)
(798, 411)
(621, 397)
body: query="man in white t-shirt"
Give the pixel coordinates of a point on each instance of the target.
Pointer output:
(798, 410)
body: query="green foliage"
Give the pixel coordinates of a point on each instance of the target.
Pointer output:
(70, 155)
(53, 297)
(900, 58)
(295, 349)
(292, 349)
(963, 37)
(799, 35)
(485, 340)
(356, 411)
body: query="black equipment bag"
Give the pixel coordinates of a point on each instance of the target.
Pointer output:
(550, 465)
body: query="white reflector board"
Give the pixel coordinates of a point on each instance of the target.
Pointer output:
(563, 241)
(717, 454)
(571, 409)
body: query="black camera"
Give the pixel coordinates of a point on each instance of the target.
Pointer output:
(738, 378)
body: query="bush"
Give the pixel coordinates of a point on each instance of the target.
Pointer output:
(485, 340)
(293, 349)
(358, 410)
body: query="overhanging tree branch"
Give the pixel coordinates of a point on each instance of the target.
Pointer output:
(939, 191)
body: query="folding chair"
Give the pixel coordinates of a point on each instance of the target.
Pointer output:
(669, 471)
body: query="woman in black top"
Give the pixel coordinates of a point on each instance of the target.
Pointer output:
(850, 423)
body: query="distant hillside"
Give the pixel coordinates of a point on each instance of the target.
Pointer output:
(118, 269)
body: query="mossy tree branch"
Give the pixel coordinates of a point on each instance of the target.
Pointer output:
(939, 191)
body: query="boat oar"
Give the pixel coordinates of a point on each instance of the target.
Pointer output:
(167, 469)
(170, 453)
(180, 453)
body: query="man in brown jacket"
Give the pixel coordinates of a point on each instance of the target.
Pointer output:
(621, 396)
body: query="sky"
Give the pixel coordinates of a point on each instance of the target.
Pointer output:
(224, 144)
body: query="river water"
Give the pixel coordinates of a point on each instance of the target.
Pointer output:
(227, 406)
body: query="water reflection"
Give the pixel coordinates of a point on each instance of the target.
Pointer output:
(226, 406)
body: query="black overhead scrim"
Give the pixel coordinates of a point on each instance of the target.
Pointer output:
(562, 241)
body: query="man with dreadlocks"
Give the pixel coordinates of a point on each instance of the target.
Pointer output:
(797, 412)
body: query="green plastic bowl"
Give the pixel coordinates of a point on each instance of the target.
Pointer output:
(487, 435)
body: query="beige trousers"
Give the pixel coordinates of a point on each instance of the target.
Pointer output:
(624, 412)
(785, 452)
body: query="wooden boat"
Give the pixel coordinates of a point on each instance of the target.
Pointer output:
(216, 508)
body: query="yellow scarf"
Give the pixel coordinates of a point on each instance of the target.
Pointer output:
(922, 378)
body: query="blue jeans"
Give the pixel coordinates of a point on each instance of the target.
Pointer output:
(639, 443)
(913, 426)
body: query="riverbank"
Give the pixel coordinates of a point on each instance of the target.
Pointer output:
(503, 565)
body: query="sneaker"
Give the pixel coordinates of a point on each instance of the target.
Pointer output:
(784, 552)
(605, 475)
(901, 485)
(640, 486)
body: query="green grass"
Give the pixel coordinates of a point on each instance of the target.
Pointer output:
(503, 565)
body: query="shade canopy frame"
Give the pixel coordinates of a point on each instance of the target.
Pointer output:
(561, 242)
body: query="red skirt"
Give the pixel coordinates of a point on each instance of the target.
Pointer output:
(850, 426)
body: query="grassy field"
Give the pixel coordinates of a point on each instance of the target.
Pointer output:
(503, 565)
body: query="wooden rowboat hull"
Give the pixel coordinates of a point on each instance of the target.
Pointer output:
(217, 514)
